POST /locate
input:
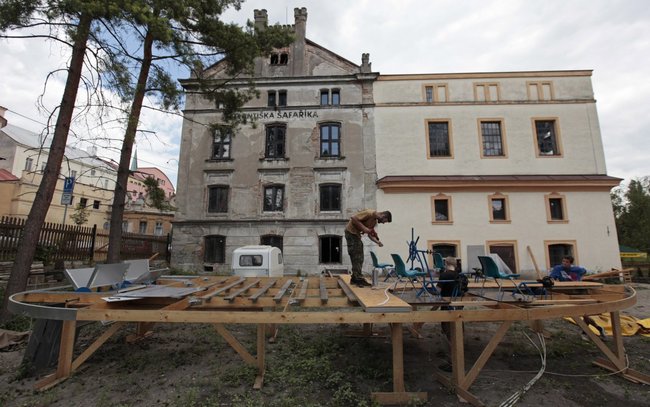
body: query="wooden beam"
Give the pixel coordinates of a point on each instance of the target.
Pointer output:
(303, 290)
(245, 288)
(323, 291)
(261, 340)
(95, 345)
(485, 355)
(397, 340)
(235, 344)
(64, 366)
(283, 291)
(262, 290)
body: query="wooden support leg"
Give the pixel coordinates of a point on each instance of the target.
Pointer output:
(64, 367)
(617, 362)
(399, 394)
(261, 341)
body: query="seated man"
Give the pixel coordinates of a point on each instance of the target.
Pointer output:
(568, 272)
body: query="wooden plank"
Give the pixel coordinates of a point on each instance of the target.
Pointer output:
(242, 290)
(303, 290)
(95, 345)
(214, 293)
(262, 290)
(235, 344)
(347, 291)
(261, 340)
(323, 291)
(283, 291)
(397, 340)
(377, 300)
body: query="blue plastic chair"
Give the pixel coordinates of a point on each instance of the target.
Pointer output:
(438, 261)
(491, 270)
(385, 267)
(409, 275)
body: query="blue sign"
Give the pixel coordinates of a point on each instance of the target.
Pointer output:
(68, 186)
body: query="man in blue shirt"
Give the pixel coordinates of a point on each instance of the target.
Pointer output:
(567, 271)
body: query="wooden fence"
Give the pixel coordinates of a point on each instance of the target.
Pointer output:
(58, 242)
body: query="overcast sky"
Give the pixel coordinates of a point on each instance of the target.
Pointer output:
(610, 37)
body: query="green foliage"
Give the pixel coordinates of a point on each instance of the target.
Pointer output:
(156, 195)
(632, 210)
(80, 215)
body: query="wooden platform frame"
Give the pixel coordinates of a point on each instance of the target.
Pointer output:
(329, 300)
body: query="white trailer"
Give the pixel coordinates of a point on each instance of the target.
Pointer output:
(257, 261)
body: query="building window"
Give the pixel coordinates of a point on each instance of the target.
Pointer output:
(125, 226)
(324, 97)
(445, 249)
(336, 97)
(105, 184)
(555, 208)
(29, 162)
(96, 204)
(218, 199)
(278, 98)
(281, 58)
(274, 198)
(92, 172)
(330, 249)
(330, 197)
(441, 209)
(327, 96)
(507, 251)
(272, 240)
(499, 211)
(555, 251)
(486, 92)
(73, 174)
(540, 91)
(43, 165)
(492, 139)
(438, 139)
(547, 138)
(275, 135)
(215, 249)
(330, 140)
(143, 227)
(158, 230)
(83, 202)
(435, 93)
(222, 139)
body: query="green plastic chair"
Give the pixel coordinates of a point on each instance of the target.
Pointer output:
(491, 270)
(409, 275)
(385, 267)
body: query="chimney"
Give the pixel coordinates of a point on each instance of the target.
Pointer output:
(3, 121)
(300, 17)
(261, 19)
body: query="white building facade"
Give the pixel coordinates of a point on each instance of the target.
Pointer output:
(510, 163)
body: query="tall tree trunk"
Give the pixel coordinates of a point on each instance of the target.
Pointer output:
(117, 214)
(29, 239)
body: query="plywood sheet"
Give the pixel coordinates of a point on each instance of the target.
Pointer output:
(377, 299)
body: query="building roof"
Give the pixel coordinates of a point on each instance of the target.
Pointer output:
(7, 176)
(30, 139)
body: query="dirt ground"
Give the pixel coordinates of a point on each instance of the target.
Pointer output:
(324, 365)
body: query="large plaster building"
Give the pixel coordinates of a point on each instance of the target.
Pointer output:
(473, 163)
